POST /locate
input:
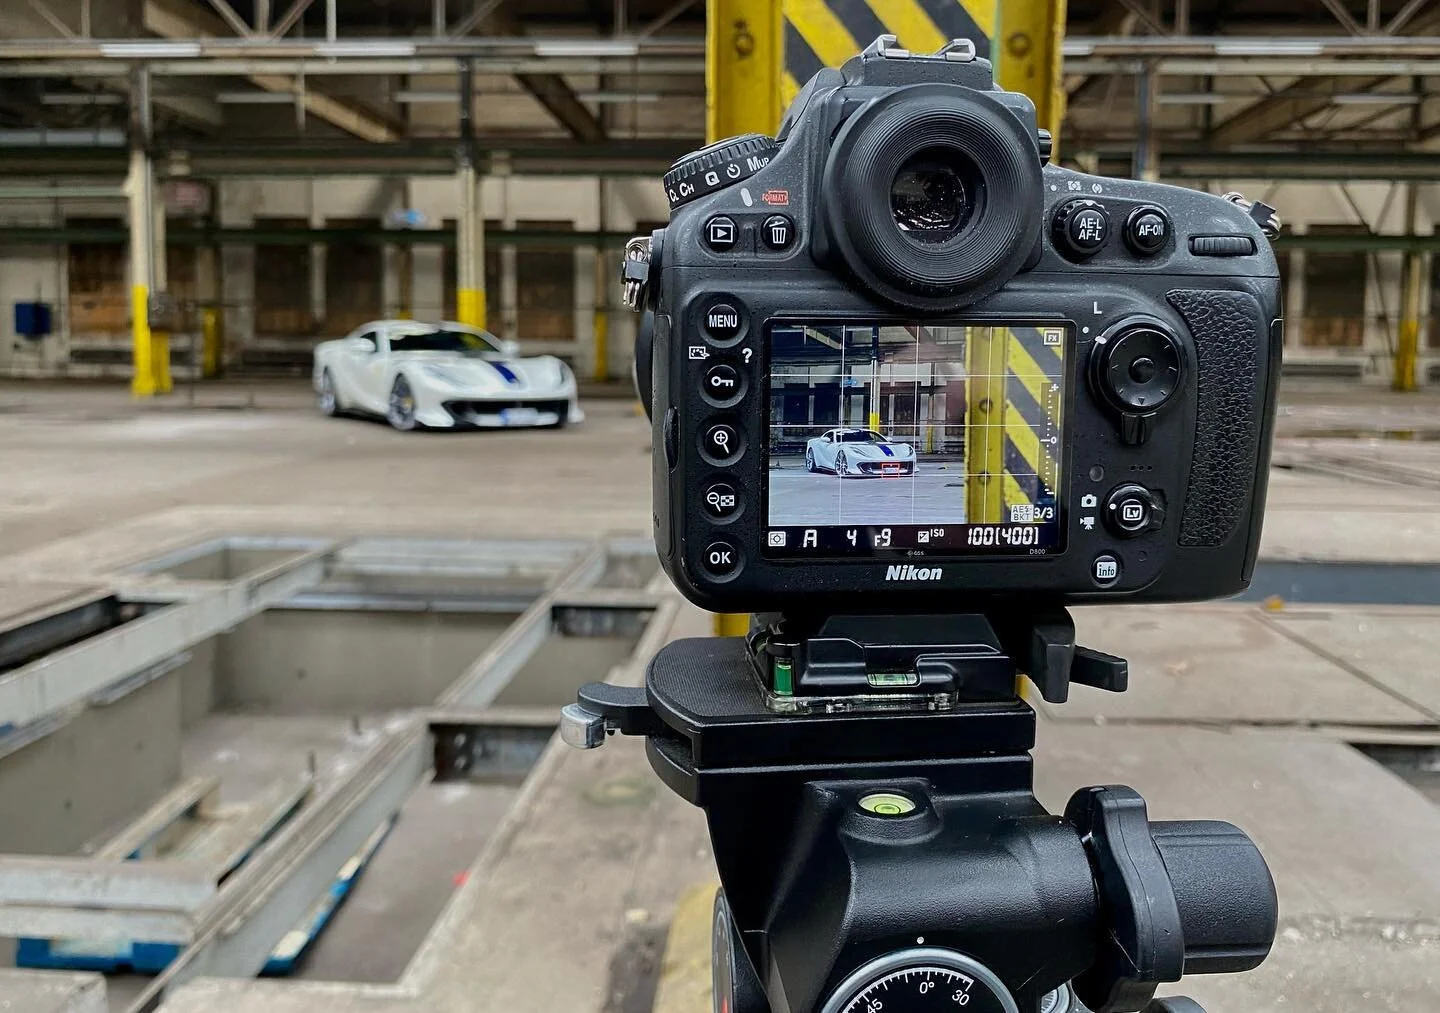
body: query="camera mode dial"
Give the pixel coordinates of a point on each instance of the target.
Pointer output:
(716, 166)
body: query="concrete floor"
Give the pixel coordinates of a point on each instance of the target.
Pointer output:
(1236, 713)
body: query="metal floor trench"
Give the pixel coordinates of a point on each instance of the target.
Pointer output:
(208, 749)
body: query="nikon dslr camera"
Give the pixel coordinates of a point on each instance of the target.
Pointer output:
(896, 361)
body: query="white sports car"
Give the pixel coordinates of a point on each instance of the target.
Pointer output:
(858, 453)
(443, 376)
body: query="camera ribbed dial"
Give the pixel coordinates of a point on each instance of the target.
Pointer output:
(717, 166)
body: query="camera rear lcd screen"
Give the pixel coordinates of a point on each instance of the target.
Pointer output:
(914, 440)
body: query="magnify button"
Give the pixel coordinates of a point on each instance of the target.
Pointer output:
(722, 442)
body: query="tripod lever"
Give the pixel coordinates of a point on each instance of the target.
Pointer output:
(601, 709)
(1101, 670)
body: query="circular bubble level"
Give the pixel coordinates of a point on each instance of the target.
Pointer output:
(887, 803)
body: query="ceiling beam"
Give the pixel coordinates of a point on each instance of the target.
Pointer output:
(193, 110)
(180, 19)
(550, 90)
(1297, 101)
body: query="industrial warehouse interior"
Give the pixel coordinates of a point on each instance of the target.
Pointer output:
(328, 481)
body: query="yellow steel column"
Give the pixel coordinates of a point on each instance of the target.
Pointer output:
(1027, 59)
(470, 230)
(1407, 347)
(985, 366)
(743, 47)
(138, 188)
(743, 43)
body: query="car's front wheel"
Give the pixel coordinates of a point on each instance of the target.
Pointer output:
(809, 459)
(400, 410)
(842, 465)
(326, 398)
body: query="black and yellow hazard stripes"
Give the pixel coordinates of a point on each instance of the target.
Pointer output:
(1013, 426)
(826, 33)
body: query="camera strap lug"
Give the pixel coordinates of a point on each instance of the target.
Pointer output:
(635, 272)
(1263, 214)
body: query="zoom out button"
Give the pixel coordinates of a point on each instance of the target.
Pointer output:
(721, 500)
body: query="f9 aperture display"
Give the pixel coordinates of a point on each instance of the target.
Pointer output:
(914, 440)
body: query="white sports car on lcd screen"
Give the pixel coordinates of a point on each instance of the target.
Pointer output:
(443, 376)
(858, 453)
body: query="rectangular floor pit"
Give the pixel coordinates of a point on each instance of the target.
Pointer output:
(304, 691)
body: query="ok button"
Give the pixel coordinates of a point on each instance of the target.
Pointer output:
(721, 559)
(723, 384)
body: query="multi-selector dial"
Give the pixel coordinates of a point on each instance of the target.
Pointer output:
(1136, 370)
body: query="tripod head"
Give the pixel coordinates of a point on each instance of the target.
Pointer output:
(868, 786)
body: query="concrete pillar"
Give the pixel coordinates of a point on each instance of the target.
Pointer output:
(469, 250)
(470, 226)
(139, 185)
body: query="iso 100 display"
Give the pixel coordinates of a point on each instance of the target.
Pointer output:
(922, 981)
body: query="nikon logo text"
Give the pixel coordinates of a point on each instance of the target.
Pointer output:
(908, 572)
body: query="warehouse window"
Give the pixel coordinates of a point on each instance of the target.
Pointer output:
(283, 303)
(99, 301)
(1334, 315)
(354, 277)
(545, 285)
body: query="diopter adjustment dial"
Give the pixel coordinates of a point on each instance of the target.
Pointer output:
(716, 166)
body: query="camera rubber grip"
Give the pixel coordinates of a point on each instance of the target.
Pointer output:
(1229, 333)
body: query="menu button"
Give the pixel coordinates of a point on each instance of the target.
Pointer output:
(722, 323)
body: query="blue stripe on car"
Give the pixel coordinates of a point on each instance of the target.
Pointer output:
(506, 373)
(885, 449)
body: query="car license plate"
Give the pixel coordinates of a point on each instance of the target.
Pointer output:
(890, 469)
(519, 416)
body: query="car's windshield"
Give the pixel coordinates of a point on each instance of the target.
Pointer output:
(861, 436)
(446, 341)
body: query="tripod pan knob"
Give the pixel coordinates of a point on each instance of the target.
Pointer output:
(1228, 908)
